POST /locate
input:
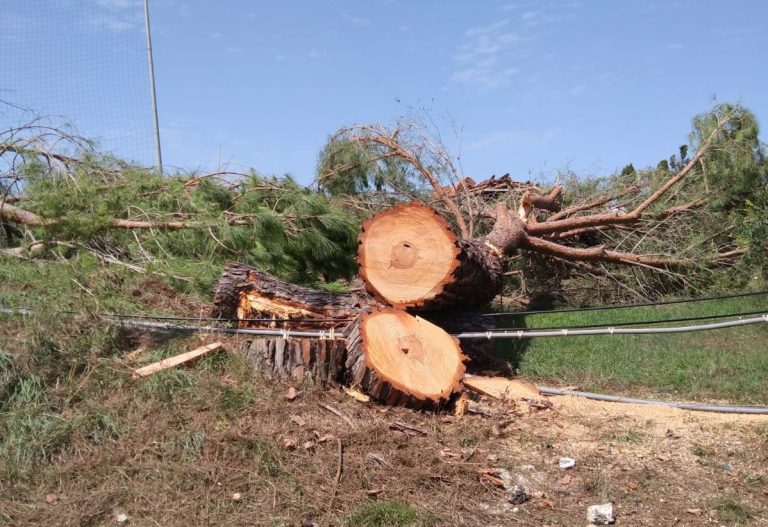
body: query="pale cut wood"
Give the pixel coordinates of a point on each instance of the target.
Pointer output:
(174, 361)
(410, 259)
(400, 359)
(406, 254)
(501, 387)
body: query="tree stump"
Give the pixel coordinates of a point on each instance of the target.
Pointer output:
(394, 357)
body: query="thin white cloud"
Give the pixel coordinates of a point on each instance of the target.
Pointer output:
(578, 89)
(482, 60)
(115, 15)
(510, 139)
(485, 30)
(356, 20)
(315, 53)
(119, 4)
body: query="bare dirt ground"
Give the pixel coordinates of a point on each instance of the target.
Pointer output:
(197, 456)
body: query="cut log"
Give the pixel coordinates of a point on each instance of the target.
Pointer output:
(409, 258)
(400, 359)
(392, 356)
(244, 292)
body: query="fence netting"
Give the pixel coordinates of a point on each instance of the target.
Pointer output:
(82, 62)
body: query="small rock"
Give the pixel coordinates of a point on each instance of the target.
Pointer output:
(308, 445)
(601, 514)
(671, 434)
(237, 496)
(52, 498)
(121, 518)
(289, 443)
(520, 492)
(567, 462)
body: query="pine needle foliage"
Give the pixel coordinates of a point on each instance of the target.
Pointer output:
(270, 222)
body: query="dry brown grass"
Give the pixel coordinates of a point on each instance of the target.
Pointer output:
(188, 440)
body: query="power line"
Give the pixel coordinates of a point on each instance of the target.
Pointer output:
(571, 332)
(623, 306)
(720, 408)
(647, 322)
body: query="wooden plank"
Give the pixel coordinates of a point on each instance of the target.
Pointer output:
(501, 387)
(174, 361)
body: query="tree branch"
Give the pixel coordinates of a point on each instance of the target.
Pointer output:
(391, 143)
(612, 218)
(599, 254)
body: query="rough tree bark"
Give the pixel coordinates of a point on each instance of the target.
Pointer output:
(244, 292)
(410, 259)
(392, 356)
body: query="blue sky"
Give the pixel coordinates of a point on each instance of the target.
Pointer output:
(530, 87)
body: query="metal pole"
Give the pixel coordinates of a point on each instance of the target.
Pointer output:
(151, 66)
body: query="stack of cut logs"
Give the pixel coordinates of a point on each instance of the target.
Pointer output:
(414, 268)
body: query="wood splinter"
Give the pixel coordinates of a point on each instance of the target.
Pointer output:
(170, 362)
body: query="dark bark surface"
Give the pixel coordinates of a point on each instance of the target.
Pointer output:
(476, 280)
(246, 292)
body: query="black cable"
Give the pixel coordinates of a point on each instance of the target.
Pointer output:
(637, 323)
(622, 306)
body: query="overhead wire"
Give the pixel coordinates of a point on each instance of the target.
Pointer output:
(624, 306)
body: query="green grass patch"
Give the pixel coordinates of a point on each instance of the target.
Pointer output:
(390, 514)
(731, 509)
(727, 364)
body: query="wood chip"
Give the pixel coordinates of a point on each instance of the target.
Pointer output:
(695, 512)
(539, 404)
(460, 408)
(175, 361)
(378, 458)
(289, 443)
(493, 479)
(406, 429)
(291, 394)
(298, 420)
(478, 409)
(357, 395)
(324, 438)
(375, 492)
(337, 413)
(501, 387)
